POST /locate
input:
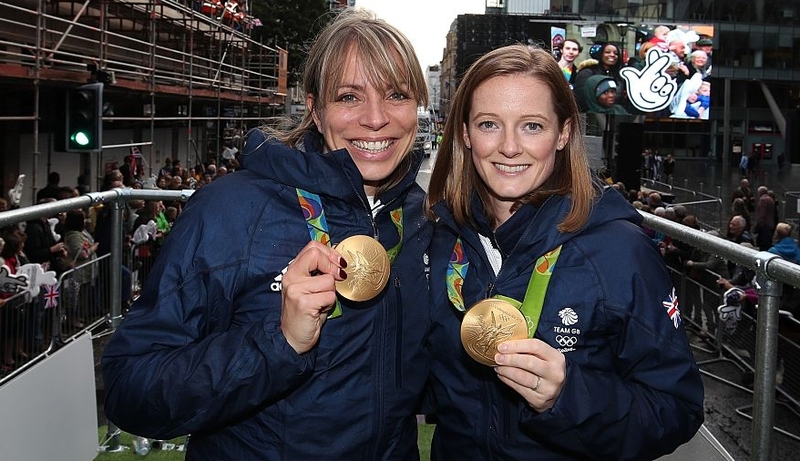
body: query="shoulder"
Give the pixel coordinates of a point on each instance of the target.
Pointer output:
(587, 64)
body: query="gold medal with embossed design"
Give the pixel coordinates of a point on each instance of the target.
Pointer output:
(488, 323)
(368, 268)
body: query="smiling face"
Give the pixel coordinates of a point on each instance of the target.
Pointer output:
(610, 55)
(376, 125)
(569, 51)
(513, 133)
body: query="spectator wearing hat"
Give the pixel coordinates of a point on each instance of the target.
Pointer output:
(705, 45)
(600, 93)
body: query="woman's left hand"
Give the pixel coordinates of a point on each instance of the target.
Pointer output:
(534, 369)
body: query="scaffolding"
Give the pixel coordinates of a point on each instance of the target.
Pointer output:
(188, 64)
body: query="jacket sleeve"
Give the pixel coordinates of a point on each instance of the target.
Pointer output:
(202, 347)
(37, 246)
(649, 399)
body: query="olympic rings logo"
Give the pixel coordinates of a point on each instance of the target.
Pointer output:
(566, 341)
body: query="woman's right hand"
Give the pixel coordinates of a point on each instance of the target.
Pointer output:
(308, 294)
(59, 248)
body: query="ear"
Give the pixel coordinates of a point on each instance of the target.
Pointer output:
(465, 136)
(563, 138)
(311, 107)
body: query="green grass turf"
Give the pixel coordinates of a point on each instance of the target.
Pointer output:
(126, 440)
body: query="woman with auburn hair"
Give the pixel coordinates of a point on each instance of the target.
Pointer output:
(556, 329)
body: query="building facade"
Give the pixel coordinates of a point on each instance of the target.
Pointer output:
(754, 79)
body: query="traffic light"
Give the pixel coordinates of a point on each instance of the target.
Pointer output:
(84, 120)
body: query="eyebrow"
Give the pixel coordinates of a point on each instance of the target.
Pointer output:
(349, 86)
(524, 116)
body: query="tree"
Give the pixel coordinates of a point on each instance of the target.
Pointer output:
(291, 25)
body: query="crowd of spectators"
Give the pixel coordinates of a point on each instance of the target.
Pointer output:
(74, 240)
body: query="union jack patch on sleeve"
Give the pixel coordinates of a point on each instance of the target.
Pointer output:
(671, 305)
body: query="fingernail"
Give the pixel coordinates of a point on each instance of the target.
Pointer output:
(342, 274)
(342, 262)
(499, 358)
(502, 347)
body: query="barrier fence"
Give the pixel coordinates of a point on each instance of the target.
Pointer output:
(762, 344)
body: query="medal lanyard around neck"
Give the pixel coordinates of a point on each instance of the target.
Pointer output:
(317, 224)
(531, 305)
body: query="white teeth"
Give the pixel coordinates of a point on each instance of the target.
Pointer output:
(510, 168)
(373, 146)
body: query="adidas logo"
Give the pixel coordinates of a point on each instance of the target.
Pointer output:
(276, 284)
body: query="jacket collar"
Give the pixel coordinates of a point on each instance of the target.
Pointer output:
(332, 174)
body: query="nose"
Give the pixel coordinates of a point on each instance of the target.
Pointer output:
(510, 146)
(374, 115)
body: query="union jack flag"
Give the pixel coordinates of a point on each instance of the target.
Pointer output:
(51, 295)
(671, 305)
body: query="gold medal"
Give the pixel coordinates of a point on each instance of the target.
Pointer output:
(368, 268)
(488, 323)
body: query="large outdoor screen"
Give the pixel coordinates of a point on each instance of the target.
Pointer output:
(655, 70)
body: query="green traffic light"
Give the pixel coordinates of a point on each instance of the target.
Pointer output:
(80, 138)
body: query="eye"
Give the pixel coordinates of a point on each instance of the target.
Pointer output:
(398, 96)
(532, 126)
(346, 97)
(487, 125)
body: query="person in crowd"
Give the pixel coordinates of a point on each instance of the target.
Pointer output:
(669, 168)
(784, 244)
(738, 233)
(745, 193)
(698, 102)
(737, 230)
(41, 245)
(608, 372)
(80, 287)
(744, 168)
(600, 93)
(51, 190)
(705, 269)
(167, 168)
(84, 183)
(570, 49)
(605, 60)
(247, 346)
(659, 37)
(739, 208)
(765, 219)
(697, 64)
(705, 45)
(786, 247)
(12, 312)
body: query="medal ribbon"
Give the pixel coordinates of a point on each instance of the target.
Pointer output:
(537, 287)
(456, 273)
(314, 214)
(531, 305)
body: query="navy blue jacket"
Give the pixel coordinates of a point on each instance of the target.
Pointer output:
(632, 388)
(201, 351)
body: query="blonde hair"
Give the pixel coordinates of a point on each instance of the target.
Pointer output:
(454, 177)
(385, 54)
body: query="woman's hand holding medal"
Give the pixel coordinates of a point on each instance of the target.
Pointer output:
(309, 292)
(534, 369)
(358, 269)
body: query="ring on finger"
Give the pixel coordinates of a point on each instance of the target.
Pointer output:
(538, 383)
